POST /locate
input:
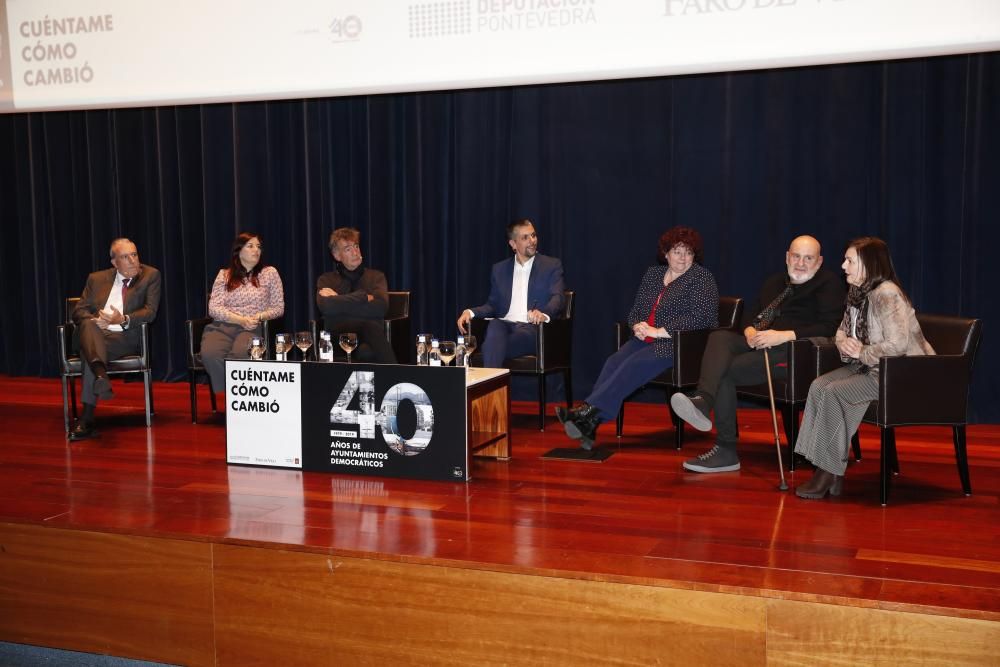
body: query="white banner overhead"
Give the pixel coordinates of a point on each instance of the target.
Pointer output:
(58, 54)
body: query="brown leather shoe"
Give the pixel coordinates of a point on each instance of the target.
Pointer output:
(82, 431)
(822, 482)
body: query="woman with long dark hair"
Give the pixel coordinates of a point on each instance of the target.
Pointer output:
(244, 294)
(878, 322)
(677, 294)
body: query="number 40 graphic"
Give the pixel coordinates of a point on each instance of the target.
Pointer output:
(362, 385)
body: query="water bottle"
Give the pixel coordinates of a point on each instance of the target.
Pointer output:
(435, 355)
(461, 352)
(256, 348)
(325, 347)
(282, 344)
(422, 350)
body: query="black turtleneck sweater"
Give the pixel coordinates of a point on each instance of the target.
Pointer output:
(353, 288)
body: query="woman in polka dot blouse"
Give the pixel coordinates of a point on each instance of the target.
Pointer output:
(244, 294)
(677, 296)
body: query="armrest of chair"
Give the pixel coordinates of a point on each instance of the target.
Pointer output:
(194, 329)
(65, 334)
(802, 368)
(827, 356)
(622, 333)
(268, 330)
(397, 332)
(931, 389)
(555, 343)
(689, 347)
(144, 347)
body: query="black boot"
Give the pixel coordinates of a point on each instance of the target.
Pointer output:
(568, 414)
(822, 482)
(582, 425)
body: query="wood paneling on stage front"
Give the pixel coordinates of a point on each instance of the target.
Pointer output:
(199, 603)
(105, 593)
(280, 607)
(801, 633)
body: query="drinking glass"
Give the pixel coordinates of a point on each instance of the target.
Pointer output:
(447, 350)
(303, 341)
(470, 347)
(348, 342)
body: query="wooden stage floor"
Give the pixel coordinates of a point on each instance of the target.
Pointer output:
(637, 519)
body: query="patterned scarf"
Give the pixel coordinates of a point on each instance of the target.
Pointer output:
(857, 298)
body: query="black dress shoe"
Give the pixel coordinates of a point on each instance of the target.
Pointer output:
(822, 482)
(102, 387)
(82, 431)
(582, 425)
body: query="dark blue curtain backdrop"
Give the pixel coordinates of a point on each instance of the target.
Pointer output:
(906, 150)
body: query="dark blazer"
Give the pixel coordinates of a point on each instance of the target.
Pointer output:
(545, 288)
(690, 302)
(141, 301)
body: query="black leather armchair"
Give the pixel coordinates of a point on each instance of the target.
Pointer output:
(689, 346)
(71, 365)
(927, 391)
(196, 369)
(397, 329)
(555, 354)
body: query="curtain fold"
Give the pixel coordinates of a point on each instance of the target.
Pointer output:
(906, 150)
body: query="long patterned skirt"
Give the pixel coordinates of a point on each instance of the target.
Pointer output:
(836, 404)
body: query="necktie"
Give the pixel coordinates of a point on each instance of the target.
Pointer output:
(124, 293)
(768, 315)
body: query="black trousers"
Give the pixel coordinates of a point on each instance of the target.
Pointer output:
(729, 363)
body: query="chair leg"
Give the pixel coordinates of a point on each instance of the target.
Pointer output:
(65, 397)
(211, 397)
(958, 430)
(193, 391)
(72, 396)
(790, 422)
(885, 464)
(856, 445)
(678, 429)
(541, 401)
(893, 456)
(568, 386)
(148, 385)
(620, 421)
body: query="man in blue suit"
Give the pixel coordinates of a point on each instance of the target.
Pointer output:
(525, 291)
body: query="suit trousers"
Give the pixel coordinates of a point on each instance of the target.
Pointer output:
(101, 345)
(728, 363)
(633, 365)
(221, 341)
(506, 340)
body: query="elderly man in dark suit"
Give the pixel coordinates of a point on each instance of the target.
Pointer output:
(114, 303)
(525, 291)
